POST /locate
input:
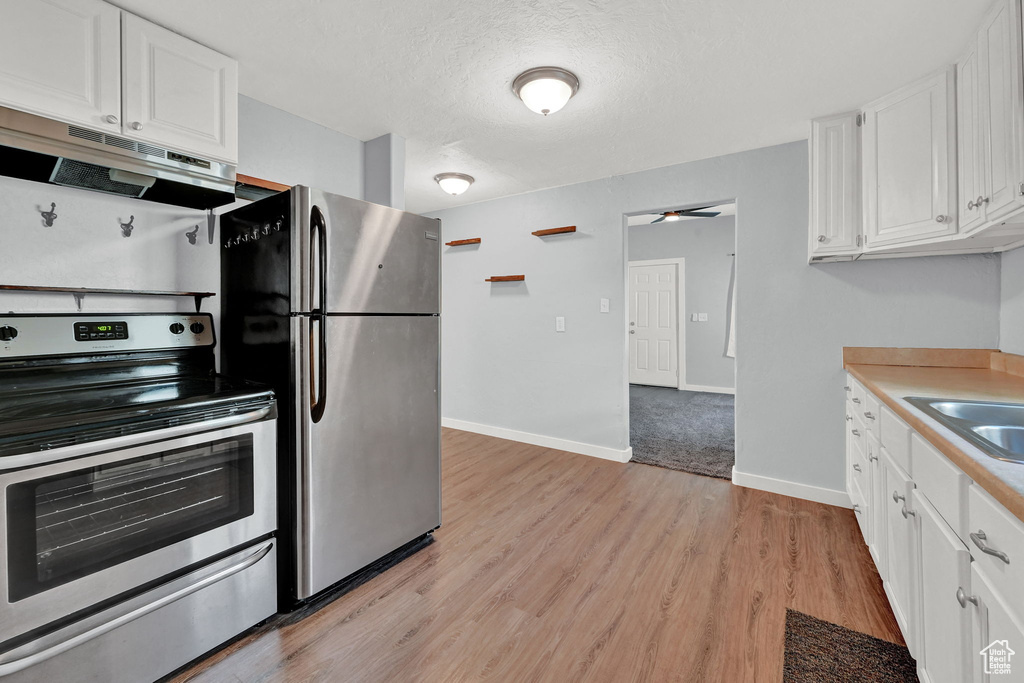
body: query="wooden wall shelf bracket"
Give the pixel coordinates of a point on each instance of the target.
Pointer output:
(459, 243)
(80, 292)
(554, 231)
(506, 278)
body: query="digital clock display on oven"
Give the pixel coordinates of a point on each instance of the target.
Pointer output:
(101, 331)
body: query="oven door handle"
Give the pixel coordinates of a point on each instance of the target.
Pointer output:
(39, 651)
(14, 462)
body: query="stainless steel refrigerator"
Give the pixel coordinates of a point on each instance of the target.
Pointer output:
(335, 302)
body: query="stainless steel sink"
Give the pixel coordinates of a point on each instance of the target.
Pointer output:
(996, 428)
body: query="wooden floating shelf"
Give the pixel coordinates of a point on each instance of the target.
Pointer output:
(554, 231)
(506, 278)
(459, 243)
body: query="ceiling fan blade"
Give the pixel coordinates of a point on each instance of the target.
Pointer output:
(700, 214)
(657, 220)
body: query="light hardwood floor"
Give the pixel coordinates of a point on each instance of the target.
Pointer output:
(558, 567)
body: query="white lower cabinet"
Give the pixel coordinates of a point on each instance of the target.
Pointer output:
(997, 635)
(945, 569)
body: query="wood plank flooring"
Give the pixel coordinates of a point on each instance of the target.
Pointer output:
(558, 567)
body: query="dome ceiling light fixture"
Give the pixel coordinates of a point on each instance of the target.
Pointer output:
(454, 183)
(545, 89)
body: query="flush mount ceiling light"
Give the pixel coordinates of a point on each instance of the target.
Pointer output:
(545, 89)
(454, 183)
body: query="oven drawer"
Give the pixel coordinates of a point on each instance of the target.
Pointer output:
(160, 630)
(79, 532)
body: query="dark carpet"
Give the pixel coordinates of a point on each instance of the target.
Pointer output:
(689, 431)
(822, 652)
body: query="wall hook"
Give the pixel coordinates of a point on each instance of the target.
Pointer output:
(192, 234)
(126, 228)
(49, 216)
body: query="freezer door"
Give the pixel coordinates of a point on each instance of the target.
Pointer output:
(369, 468)
(377, 259)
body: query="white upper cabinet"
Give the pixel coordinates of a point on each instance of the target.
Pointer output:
(62, 59)
(835, 202)
(178, 93)
(997, 108)
(970, 141)
(910, 163)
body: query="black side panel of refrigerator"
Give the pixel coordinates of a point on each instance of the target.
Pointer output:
(255, 333)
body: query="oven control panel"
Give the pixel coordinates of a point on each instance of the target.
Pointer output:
(77, 334)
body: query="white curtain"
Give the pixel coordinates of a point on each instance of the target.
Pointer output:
(730, 348)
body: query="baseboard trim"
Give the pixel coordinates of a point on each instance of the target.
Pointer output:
(711, 390)
(791, 488)
(602, 452)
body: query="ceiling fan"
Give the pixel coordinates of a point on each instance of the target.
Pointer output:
(698, 212)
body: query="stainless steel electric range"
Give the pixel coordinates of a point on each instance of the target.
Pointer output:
(137, 497)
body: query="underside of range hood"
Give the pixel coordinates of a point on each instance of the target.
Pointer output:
(43, 150)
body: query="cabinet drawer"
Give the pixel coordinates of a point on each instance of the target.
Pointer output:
(857, 431)
(869, 412)
(857, 395)
(942, 483)
(895, 437)
(993, 527)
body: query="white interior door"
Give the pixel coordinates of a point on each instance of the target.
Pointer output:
(654, 292)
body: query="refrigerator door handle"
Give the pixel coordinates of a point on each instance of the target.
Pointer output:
(318, 357)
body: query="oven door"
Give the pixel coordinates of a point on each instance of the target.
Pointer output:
(80, 534)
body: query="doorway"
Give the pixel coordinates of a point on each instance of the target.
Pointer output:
(680, 278)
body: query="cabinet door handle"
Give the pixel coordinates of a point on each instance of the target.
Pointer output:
(849, 418)
(822, 238)
(856, 508)
(110, 118)
(856, 467)
(847, 388)
(868, 415)
(855, 432)
(855, 400)
(963, 598)
(896, 497)
(907, 513)
(979, 538)
(136, 125)
(941, 218)
(872, 458)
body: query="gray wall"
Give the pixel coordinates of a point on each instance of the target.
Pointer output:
(84, 248)
(705, 244)
(504, 364)
(1011, 311)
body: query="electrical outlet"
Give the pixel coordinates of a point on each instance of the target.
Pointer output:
(559, 324)
(605, 305)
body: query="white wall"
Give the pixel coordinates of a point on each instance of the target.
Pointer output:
(504, 365)
(1011, 310)
(84, 248)
(705, 243)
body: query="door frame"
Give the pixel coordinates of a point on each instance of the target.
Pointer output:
(680, 264)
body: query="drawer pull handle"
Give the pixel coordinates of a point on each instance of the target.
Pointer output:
(979, 538)
(872, 458)
(847, 388)
(963, 598)
(849, 418)
(855, 400)
(868, 415)
(907, 513)
(856, 508)
(856, 467)
(896, 497)
(855, 432)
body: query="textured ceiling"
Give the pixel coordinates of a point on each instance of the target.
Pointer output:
(662, 82)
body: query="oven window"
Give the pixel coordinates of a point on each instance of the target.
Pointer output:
(66, 526)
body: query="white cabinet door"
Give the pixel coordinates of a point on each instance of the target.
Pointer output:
(177, 93)
(900, 554)
(61, 59)
(970, 141)
(997, 652)
(1001, 111)
(909, 163)
(835, 185)
(876, 503)
(946, 640)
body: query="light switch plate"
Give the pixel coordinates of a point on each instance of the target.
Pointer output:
(559, 324)
(703, 317)
(605, 305)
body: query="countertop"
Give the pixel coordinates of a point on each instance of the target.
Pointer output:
(1004, 481)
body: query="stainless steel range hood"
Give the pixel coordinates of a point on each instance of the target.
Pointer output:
(44, 150)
